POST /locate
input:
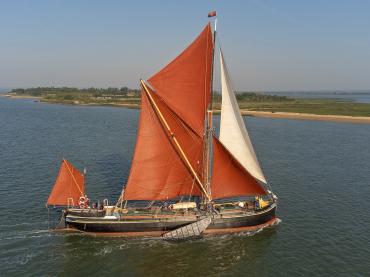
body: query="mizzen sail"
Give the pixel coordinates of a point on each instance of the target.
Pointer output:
(233, 133)
(69, 186)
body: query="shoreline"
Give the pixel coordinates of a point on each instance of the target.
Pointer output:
(244, 112)
(306, 116)
(6, 95)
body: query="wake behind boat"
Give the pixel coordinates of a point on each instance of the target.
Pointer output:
(190, 181)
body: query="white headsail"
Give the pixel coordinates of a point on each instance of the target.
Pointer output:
(233, 133)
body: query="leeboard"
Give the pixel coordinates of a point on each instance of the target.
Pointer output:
(191, 230)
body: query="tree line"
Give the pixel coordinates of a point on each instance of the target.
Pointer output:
(95, 92)
(70, 92)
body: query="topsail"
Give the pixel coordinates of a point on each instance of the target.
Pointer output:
(233, 133)
(184, 84)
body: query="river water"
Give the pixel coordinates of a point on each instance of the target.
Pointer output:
(319, 170)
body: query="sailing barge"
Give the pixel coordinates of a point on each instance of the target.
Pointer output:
(193, 181)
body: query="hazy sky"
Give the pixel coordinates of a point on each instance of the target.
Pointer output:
(268, 45)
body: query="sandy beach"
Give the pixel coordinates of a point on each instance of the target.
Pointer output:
(305, 116)
(21, 97)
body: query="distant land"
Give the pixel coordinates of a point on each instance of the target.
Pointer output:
(251, 103)
(4, 90)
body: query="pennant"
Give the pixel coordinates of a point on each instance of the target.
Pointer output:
(212, 14)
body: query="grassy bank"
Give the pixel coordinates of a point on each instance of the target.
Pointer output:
(247, 101)
(310, 106)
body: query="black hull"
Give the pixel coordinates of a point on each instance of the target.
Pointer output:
(163, 224)
(87, 212)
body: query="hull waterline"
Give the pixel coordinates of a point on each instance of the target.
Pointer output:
(157, 225)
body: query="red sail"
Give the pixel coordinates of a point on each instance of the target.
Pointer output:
(69, 186)
(191, 143)
(229, 178)
(157, 171)
(184, 84)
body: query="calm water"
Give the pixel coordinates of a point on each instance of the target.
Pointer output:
(319, 170)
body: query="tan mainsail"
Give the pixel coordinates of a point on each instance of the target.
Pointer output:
(233, 133)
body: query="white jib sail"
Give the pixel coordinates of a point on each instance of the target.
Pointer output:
(233, 133)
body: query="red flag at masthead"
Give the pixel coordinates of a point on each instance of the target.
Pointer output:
(212, 14)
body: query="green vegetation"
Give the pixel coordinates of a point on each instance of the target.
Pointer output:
(247, 100)
(244, 97)
(319, 106)
(97, 96)
(312, 106)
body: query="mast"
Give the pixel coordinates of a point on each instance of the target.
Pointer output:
(208, 127)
